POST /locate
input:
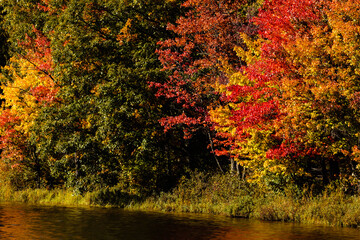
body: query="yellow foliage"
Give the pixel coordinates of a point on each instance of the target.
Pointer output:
(17, 92)
(253, 49)
(249, 152)
(125, 33)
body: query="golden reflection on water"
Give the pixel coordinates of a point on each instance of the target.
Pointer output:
(14, 223)
(260, 230)
(48, 223)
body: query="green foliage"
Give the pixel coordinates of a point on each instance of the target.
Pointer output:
(202, 193)
(114, 196)
(79, 113)
(209, 194)
(103, 128)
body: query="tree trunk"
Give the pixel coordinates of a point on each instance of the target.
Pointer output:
(243, 173)
(232, 165)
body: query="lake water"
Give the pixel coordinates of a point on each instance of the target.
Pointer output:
(34, 222)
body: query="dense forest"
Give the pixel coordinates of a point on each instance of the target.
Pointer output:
(138, 94)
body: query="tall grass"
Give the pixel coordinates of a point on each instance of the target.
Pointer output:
(59, 197)
(228, 195)
(213, 194)
(107, 197)
(202, 193)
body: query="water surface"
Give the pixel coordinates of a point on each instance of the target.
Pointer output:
(33, 222)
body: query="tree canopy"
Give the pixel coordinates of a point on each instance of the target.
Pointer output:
(136, 94)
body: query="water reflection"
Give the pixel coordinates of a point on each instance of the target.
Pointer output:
(29, 222)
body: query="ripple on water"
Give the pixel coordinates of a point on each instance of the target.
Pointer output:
(47, 223)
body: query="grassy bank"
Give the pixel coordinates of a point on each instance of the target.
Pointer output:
(108, 197)
(226, 195)
(56, 197)
(217, 194)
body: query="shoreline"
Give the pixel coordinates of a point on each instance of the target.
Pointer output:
(215, 195)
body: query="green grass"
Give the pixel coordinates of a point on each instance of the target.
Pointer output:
(221, 194)
(107, 197)
(226, 195)
(58, 197)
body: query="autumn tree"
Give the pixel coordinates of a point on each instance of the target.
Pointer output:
(26, 90)
(291, 110)
(205, 39)
(103, 130)
(323, 111)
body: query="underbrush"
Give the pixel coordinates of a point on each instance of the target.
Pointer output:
(58, 197)
(107, 197)
(223, 194)
(227, 195)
